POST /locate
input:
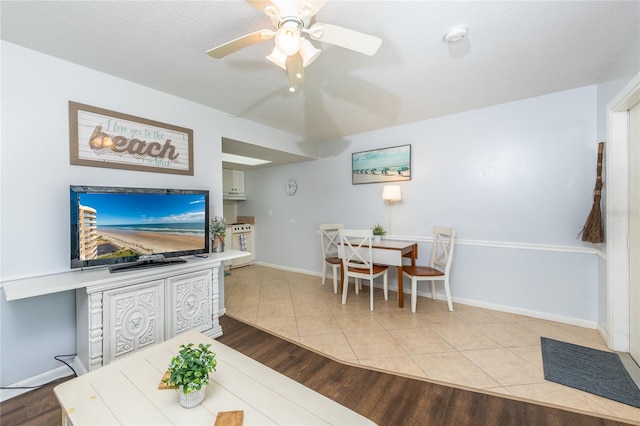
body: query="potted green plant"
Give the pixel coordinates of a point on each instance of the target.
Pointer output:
(189, 372)
(378, 232)
(218, 230)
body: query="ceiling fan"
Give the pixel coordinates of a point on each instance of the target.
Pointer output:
(292, 52)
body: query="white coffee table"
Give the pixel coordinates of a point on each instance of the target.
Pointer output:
(126, 392)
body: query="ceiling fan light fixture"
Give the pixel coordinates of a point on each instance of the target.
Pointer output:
(288, 38)
(308, 52)
(293, 49)
(278, 58)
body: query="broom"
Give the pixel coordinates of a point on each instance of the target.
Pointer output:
(592, 231)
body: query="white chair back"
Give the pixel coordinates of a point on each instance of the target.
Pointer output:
(356, 246)
(330, 242)
(442, 249)
(357, 262)
(330, 238)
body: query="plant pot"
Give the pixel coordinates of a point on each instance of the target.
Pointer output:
(192, 399)
(218, 244)
(377, 238)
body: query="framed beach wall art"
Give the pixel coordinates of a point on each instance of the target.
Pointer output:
(103, 138)
(381, 165)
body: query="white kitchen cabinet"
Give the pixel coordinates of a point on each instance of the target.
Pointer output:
(233, 184)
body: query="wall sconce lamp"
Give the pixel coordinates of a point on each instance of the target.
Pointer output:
(391, 194)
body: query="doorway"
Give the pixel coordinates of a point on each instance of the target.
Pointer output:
(619, 220)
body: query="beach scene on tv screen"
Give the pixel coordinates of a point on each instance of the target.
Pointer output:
(116, 225)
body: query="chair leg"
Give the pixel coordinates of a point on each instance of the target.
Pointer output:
(345, 290)
(371, 294)
(414, 294)
(335, 280)
(386, 287)
(324, 272)
(447, 290)
(358, 285)
(433, 290)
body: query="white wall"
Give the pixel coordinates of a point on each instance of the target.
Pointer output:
(35, 177)
(515, 180)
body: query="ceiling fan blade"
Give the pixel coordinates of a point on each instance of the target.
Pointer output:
(240, 43)
(344, 37)
(295, 70)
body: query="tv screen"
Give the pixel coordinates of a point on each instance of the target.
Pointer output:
(143, 226)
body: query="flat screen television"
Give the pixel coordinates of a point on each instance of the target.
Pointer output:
(136, 227)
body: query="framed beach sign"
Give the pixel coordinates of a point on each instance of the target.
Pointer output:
(381, 165)
(103, 138)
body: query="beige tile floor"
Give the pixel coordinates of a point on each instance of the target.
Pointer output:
(472, 348)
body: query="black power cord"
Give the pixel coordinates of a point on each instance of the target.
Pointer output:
(57, 358)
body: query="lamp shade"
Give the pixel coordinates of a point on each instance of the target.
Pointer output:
(278, 58)
(308, 52)
(391, 193)
(288, 38)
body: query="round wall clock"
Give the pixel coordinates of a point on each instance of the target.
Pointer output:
(290, 187)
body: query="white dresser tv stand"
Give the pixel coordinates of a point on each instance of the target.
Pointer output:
(119, 313)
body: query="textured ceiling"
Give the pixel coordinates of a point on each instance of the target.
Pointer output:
(515, 50)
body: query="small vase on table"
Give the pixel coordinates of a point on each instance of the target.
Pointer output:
(218, 244)
(193, 398)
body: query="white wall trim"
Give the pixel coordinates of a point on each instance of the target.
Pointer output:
(603, 332)
(524, 312)
(597, 250)
(288, 269)
(617, 211)
(508, 245)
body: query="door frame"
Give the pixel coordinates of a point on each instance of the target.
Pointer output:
(617, 215)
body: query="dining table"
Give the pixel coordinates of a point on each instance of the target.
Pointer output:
(392, 253)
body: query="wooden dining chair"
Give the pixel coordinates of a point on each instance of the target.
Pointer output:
(329, 240)
(357, 262)
(439, 269)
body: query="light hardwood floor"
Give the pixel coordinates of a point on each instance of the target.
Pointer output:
(470, 348)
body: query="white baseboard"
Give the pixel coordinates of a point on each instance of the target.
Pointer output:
(605, 335)
(525, 312)
(290, 269)
(36, 381)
